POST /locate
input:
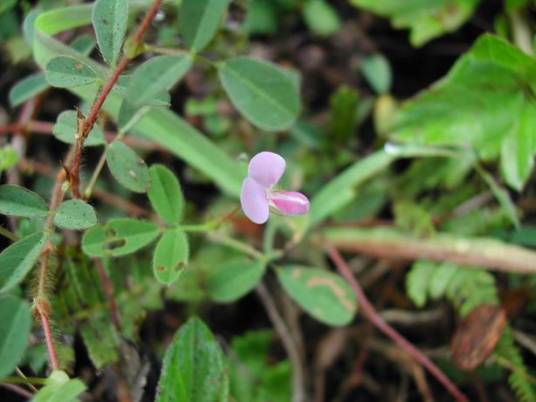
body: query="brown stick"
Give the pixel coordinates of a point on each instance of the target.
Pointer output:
(470, 252)
(89, 122)
(372, 315)
(18, 390)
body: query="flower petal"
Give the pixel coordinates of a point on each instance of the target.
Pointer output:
(289, 202)
(254, 201)
(266, 168)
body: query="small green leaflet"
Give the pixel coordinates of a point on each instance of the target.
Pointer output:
(16, 322)
(165, 194)
(156, 75)
(9, 157)
(66, 129)
(110, 19)
(60, 388)
(377, 71)
(127, 167)
(321, 17)
(194, 368)
(75, 215)
(324, 295)
(170, 256)
(199, 21)
(27, 88)
(68, 72)
(118, 237)
(230, 280)
(267, 95)
(19, 201)
(19, 258)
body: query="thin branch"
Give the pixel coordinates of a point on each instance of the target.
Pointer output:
(18, 390)
(298, 375)
(372, 315)
(89, 122)
(470, 252)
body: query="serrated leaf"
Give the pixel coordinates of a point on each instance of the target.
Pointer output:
(118, 237)
(170, 256)
(127, 167)
(156, 75)
(27, 88)
(194, 368)
(110, 19)
(66, 129)
(19, 201)
(16, 320)
(60, 388)
(324, 295)
(19, 258)
(199, 21)
(377, 71)
(75, 215)
(165, 194)
(426, 19)
(231, 280)
(263, 92)
(68, 72)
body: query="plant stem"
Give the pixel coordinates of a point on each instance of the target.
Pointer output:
(108, 289)
(18, 390)
(88, 123)
(372, 315)
(289, 343)
(8, 234)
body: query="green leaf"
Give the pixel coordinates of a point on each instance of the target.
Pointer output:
(16, 322)
(165, 194)
(60, 388)
(199, 20)
(66, 129)
(19, 201)
(84, 44)
(127, 167)
(343, 113)
(321, 17)
(231, 280)
(156, 75)
(75, 215)
(27, 88)
(426, 19)
(324, 295)
(118, 237)
(194, 368)
(502, 196)
(263, 92)
(377, 71)
(110, 19)
(68, 72)
(484, 103)
(170, 256)
(19, 258)
(9, 157)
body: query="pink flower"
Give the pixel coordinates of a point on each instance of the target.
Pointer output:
(257, 196)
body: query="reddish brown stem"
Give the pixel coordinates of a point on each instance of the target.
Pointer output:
(108, 289)
(18, 390)
(49, 338)
(372, 315)
(89, 122)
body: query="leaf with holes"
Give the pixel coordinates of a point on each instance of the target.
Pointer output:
(16, 322)
(324, 295)
(75, 215)
(19, 201)
(66, 129)
(170, 256)
(263, 92)
(165, 194)
(127, 167)
(110, 19)
(194, 368)
(231, 280)
(199, 20)
(68, 72)
(118, 237)
(19, 258)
